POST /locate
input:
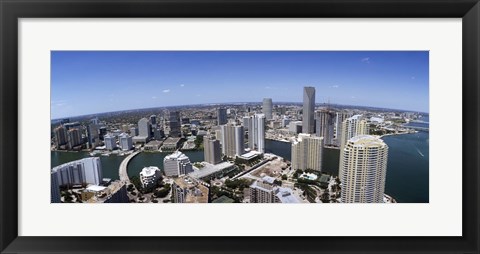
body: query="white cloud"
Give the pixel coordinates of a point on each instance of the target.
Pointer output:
(182, 85)
(267, 87)
(353, 97)
(413, 77)
(335, 86)
(166, 91)
(154, 97)
(366, 60)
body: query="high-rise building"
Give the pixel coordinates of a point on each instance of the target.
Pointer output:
(325, 125)
(54, 188)
(351, 127)
(133, 131)
(239, 140)
(153, 121)
(125, 141)
(92, 136)
(256, 133)
(60, 136)
(102, 131)
(110, 142)
(74, 137)
(267, 108)
(307, 152)
(212, 150)
(246, 122)
(79, 172)
(364, 164)
(232, 140)
(340, 117)
(149, 176)
(174, 124)
(144, 129)
(221, 116)
(177, 164)
(308, 109)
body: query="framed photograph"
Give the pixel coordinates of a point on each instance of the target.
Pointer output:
(279, 126)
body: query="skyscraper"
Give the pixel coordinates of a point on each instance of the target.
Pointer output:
(364, 163)
(60, 136)
(340, 117)
(232, 140)
(74, 138)
(144, 129)
(221, 116)
(153, 120)
(84, 171)
(351, 127)
(325, 125)
(92, 135)
(307, 152)
(308, 109)
(212, 150)
(256, 133)
(267, 108)
(174, 123)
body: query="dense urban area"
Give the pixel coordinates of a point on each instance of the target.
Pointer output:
(236, 167)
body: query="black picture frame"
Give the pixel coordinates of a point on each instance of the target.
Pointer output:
(12, 10)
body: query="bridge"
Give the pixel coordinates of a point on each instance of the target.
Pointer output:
(122, 170)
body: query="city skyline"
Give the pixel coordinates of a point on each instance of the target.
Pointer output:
(125, 80)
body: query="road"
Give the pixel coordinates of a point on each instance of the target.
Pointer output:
(122, 170)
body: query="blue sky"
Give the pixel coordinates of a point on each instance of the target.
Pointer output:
(87, 82)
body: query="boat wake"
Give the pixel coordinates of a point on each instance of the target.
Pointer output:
(421, 154)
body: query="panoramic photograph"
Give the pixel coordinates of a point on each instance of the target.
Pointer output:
(300, 127)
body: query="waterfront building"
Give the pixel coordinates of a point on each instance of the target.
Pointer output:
(174, 124)
(221, 116)
(74, 138)
(158, 134)
(307, 152)
(149, 176)
(177, 164)
(364, 169)
(110, 142)
(325, 125)
(54, 188)
(267, 108)
(115, 192)
(212, 150)
(92, 136)
(125, 141)
(218, 135)
(61, 138)
(79, 172)
(308, 109)
(256, 133)
(188, 190)
(153, 145)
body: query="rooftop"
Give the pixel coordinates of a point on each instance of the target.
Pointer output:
(366, 141)
(149, 171)
(223, 199)
(177, 155)
(209, 169)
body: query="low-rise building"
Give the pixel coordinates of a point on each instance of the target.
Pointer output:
(149, 176)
